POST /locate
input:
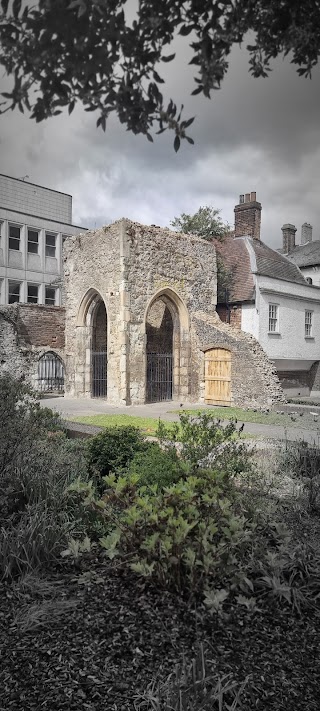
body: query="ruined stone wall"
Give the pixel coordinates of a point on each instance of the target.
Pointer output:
(182, 268)
(26, 332)
(254, 381)
(93, 264)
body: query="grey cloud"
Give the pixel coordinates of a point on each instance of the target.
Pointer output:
(261, 135)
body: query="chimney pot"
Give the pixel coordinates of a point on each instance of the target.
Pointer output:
(306, 233)
(288, 237)
(247, 216)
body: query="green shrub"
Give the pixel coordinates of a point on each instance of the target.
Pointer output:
(156, 466)
(203, 441)
(37, 463)
(22, 423)
(113, 449)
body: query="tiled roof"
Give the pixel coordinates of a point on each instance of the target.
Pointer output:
(272, 264)
(243, 256)
(306, 255)
(236, 261)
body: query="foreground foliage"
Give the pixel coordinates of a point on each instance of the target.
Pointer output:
(199, 531)
(60, 52)
(37, 462)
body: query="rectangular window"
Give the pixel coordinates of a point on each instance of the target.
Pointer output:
(308, 323)
(33, 293)
(50, 298)
(33, 241)
(14, 292)
(14, 237)
(273, 318)
(50, 244)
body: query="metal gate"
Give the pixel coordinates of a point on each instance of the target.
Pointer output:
(159, 377)
(50, 373)
(99, 374)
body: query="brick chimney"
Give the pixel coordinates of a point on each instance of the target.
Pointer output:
(288, 238)
(247, 216)
(306, 233)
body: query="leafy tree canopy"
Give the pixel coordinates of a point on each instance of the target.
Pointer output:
(205, 223)
(60, 52)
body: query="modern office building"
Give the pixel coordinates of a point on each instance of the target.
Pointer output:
(34, 221)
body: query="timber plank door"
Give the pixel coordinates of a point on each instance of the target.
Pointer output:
(217, 376)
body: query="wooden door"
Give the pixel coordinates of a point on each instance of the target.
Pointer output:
(218, 376)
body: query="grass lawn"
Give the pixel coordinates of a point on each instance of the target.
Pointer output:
(147, 425)
(270, 418)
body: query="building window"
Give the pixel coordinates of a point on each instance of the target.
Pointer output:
(14, 237)
(33, 293)
(50, 244)
(50, 297)
(309, 280)
(14, 292)
(308, 323)
(273, 318)
(33, 241)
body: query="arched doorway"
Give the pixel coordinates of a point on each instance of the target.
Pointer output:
(99, 350)
(91, 359)
(159, 334)
(50, 373)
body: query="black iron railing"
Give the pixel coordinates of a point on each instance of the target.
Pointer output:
(99, 374)
(159, 377)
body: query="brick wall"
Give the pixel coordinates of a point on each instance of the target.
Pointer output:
(234, 315)
(26, 332)
(42, 325)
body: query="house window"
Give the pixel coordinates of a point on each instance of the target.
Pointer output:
(33, 293)
(50, 297)
(14, 237)
(273, 318)
(308, 323)
(33, 241)
(50, 244)
(14, 292)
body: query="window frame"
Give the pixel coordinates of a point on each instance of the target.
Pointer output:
(49, 247)
(308, 324)
(37, 232)
(30, 299)
(273, 318)
(15, 239)
(17, 283)
(51, 288)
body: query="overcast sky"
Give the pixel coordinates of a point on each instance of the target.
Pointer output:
(258, 135)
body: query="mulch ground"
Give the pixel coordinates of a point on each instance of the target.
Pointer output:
(80, 645)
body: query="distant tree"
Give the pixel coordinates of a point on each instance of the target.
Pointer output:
(206, 223)
(60, 52)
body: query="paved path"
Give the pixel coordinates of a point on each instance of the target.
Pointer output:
(69, 407)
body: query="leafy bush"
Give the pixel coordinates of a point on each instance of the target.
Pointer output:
(203, 441)
(37, 463)
(156, 466)
(113, 449)
(302, 460)
(22, 422)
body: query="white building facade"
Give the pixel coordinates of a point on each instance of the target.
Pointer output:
(34, 221)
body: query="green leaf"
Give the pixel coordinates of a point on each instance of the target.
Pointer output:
(168, 58)
(176, 144)
(185, 30)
